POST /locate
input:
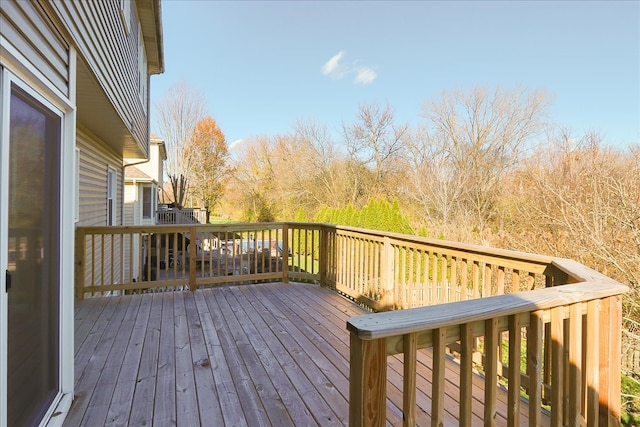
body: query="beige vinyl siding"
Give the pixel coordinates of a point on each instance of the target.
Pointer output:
(112, 54)
(26, 26)
(130, 202)
(95, 161)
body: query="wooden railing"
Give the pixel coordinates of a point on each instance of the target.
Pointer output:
(387, 271)
(181, 216)
(507, 292)
(163, 257)
(584, 355)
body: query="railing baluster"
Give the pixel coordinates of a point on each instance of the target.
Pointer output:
(437, 391)
(466, 374)
(534, 365)
(410, 347)
(557, 367)
(515, 342)
(491, 343)
(593, 362)
(575, 363)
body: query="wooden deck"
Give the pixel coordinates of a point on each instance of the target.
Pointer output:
(267, 354)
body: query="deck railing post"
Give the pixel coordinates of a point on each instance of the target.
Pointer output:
(610, 361)
(388, 275)
(285, 253)
(324, 254)
(80, 263)
(193, 242)
(367, 382)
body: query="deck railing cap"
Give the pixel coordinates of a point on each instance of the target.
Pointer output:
(401, 322)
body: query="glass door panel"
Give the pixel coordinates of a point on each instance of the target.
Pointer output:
(33, 259)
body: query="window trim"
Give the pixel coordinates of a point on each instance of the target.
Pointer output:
(112, 195)
(125, 15)
(148, 204)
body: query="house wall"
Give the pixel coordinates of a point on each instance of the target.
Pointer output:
(131, 217)
(25, 26)
(131, 204)
(107, 38)
(152, 167)
(95, 160)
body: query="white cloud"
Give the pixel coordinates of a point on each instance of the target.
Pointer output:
(364, 76)
(332, 66)
(336, 69)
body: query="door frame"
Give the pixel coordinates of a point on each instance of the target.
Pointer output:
(16, 69)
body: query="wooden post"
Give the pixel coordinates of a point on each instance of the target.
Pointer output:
(80, 263)
(610, 361)
(193, 242)
(323, 235)
(285, 253)
(368, 382)
(387, 274)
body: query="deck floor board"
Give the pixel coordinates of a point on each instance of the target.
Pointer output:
(248, 355)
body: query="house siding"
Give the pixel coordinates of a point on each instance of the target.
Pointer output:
(130, 204)
(95, 161)
(27, 27)
(111, 53)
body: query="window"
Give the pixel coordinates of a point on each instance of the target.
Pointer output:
(111, 197)
(147, 202)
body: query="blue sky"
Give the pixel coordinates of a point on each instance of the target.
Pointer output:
(263, 65)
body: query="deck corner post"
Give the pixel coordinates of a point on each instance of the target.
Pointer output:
(80, 263)
(367, 382)
(610, 361)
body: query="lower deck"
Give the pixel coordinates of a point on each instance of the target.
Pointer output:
(263, 354)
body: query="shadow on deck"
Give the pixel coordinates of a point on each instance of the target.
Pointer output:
(265, 354)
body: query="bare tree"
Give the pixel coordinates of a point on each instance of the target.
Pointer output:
(432, 183)
(482, 135)
(375, 140)
(178, 113)
(581, 200)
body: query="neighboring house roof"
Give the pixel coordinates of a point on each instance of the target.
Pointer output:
(132, 173)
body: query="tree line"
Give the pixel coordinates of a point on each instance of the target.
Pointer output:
(483, 166)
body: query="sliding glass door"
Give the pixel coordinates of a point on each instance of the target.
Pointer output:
(33, 258)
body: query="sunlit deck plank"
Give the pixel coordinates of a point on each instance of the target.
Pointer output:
(296, 364)
(270, 354)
